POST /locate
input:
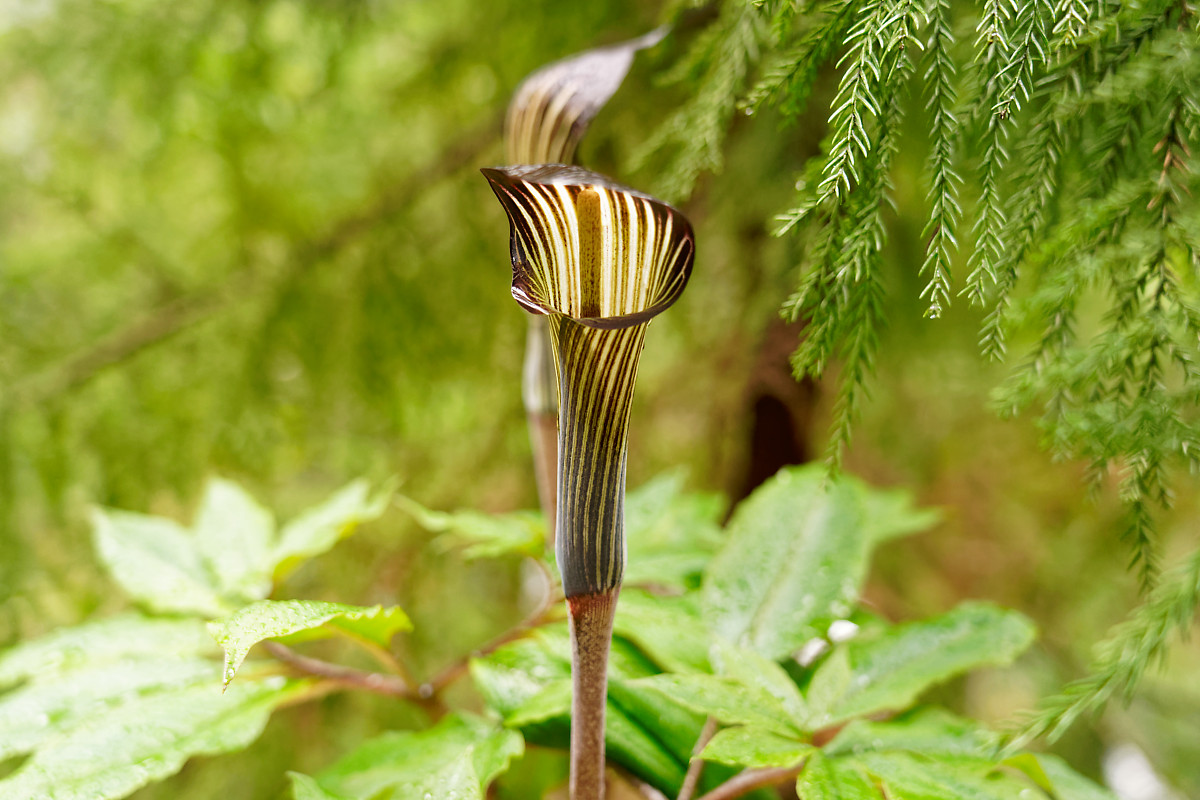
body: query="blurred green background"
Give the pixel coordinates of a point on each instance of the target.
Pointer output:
(250, 239)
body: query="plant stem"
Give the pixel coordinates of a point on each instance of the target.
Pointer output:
(696, 767)
(746, 782)
(348, 676)
(591, 618)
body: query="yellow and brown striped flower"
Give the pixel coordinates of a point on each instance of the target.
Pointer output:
(599, 260)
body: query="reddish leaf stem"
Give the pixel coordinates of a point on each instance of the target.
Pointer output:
(696, 768)
(591, 618)
(746, 782)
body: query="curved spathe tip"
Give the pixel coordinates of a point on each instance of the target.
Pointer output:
(552, 108)
(589, 248)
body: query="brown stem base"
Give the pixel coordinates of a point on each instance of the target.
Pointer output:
(591, 636)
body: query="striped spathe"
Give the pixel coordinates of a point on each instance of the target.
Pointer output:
(599, 260)
(588, 248)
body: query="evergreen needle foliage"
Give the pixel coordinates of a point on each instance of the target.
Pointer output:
(1075, 122)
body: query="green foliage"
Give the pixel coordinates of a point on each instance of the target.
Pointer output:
(301, 620)
(457, 758)
(108, 706)
(1077, 129)
(229, 555)
(775, 590)
(1076, 122)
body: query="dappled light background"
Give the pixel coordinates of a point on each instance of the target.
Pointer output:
(250, 239)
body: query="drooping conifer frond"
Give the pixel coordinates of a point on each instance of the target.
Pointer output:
(944, 180)
(1077, 133)
(1121, 660)
(721, 63)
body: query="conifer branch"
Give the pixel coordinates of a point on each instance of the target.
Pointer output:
(1133, 646)
(944, 180)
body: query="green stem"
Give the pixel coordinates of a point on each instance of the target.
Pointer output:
(591, 635)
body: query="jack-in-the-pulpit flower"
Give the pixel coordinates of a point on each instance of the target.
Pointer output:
(547, 117)
(598, 260)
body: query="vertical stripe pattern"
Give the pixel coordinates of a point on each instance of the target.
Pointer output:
(597, 369)
(590, 249)
(599, 260)
(552, 108)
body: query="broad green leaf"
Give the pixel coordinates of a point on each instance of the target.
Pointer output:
(233, 535)
(630, 744)
(726, 700)
(929, 731)
(483, 535)
(101, 642)
(145, 739)
(305, 787)
(228, 558)
(1068, 784)
(909, 776)
(457, 758)
(515, 673)
(318, 529)
(748, 668)
(271, 619)
(529, 683)
(554, 700)
(746, 746)
(890, 671)
(793, 561)
(671, 534)
(671, 724)
(634, 739)
(668, 629)
(55, 703)
(156, 562)
(833, 779)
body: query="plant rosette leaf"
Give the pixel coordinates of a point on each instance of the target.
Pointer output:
(904, 774)
(934, 732)
(930, 752)
(113, 640)
(888, 672)
(724, 699)
(57, 702)
(752, 748)
(137, 726)
(316, 530)
(482, 535)
(668, 629)
(229, 556)
(672, 535)
(529, 683)
(303, 619)
(794, 558)
(457, 758)
(835, 779)
(106, 707)
(796, 554)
